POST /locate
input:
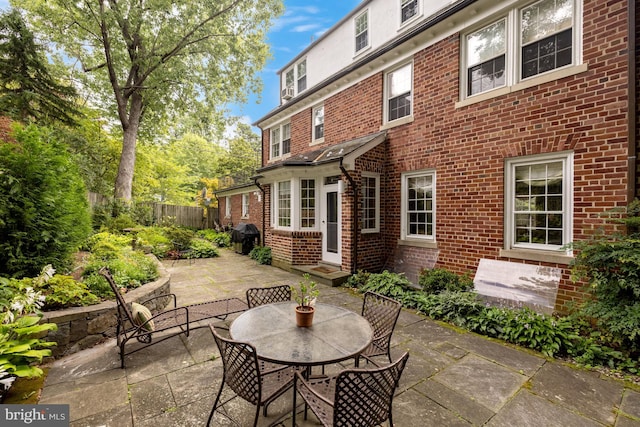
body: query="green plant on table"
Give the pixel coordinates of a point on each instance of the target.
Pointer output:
(306, 292)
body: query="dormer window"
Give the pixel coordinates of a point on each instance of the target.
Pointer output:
(408, 9)
(362, 31)
(301, 68)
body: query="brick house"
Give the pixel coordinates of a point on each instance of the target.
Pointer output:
(240, 203)
(418, 134)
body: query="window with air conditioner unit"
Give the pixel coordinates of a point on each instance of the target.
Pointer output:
(287, 93)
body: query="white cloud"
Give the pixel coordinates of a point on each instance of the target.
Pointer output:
(304, 28)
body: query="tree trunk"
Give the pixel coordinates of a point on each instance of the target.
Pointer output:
(124, 179)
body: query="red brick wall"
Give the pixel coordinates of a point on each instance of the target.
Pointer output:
(255, 210)
(467, 146)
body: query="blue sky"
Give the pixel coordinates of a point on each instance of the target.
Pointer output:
(302, 21)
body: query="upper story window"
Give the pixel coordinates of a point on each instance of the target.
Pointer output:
(547, 39)
(370, 202)
(525, 43)
(245, 205)
(538, 201)
(418, 205)
(318, 123)
(362, 31)
(280, 140)
(486, 49)
(289, 78)
(301, 69)
(398, 88)
(408, 10)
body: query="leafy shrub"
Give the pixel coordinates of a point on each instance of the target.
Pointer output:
(458, 308)
(261, 254)
(393, 285)
(436, 280)
(201, 248)
(180, 237)
(222, 239)
(19, 325)
(611, 265)
(120, 223)
(153, 240)
(357, 280)
(44, 212)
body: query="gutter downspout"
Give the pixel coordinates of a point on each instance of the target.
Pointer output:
(633, 105)
(255, 181)
(354, 262)
(218, 200)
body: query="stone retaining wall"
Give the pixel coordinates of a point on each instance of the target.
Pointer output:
(83, 327)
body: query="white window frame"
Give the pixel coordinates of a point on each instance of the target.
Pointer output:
(513, 56)
(245, 205)
(276, 143)
(299, 76)
(315, 207)
(413, 17)
(315, 109)
(376, 218)
(387, 98)
(364, 13)
(404, 223)
(276, 217)
(227, 207)
(567, 209)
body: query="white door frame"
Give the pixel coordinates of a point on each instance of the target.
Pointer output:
(331, 256)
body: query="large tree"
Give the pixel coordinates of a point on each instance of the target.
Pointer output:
(28, 91)
(147, 60)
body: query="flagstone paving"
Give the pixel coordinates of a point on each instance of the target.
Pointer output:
(453, 378)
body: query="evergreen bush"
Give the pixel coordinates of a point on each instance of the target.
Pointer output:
(44, 212)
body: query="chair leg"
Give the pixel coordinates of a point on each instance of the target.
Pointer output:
(215, 404)
(255, 420)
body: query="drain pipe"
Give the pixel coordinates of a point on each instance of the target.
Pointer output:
(632, 192)
(255, 181)
(218, 210)
(354, 262)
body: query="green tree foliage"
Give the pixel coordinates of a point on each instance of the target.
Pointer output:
(28, 92)
(152, 61)
(243, 157)
(44, 213)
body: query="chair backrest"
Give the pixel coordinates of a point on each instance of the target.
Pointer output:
(364, 397)
(240, 365)
(122, 304)
(261, 296)
(381, 312)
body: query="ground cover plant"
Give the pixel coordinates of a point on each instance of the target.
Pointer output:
(261, 254)
(553, 335)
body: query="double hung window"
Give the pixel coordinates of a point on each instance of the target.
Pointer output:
(520, 45)
(245, 205)
(362, 31)
(539, 194)
(418, 205)
(408, 10)
(398, 92)
(318, 123)
(280, 140)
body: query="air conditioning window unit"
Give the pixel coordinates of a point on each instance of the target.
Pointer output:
(287, 92)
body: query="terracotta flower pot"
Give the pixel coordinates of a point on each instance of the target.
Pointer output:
(304, 316)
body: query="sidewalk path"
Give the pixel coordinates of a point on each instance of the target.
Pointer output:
(453, 378)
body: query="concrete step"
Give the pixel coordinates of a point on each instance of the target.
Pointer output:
(326, 274)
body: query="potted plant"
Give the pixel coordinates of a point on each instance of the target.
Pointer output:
(305, 295)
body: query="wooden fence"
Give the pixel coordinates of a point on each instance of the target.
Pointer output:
(187, 216)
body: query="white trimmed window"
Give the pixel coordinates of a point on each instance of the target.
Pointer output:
(408, 10)
(318, 123)
(283, 204)
(301, 71)
(227, 207)
(538, 196)
(361, 23)
(370, 202)
(280, 140)
(245, 205)
(307, 203)
(418, 205)
(398, 92)
(537, 39)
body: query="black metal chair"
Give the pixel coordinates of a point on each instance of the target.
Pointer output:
(254, 380)
(354, 397)
(261, 296)
(382, 313)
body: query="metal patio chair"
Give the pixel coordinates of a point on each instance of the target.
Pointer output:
(254, 380)
(354, 397)
(382, 313)
(261, 296)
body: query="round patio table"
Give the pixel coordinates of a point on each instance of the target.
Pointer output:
(336, 334)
